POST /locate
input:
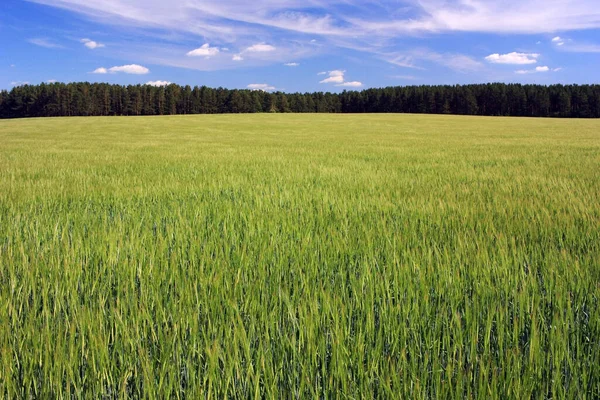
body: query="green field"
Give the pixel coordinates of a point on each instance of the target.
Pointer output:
(300, 256)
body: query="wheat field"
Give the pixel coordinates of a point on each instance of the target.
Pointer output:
(300, 256)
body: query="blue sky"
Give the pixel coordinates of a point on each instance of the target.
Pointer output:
(299, 45)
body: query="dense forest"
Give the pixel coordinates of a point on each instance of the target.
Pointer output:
(82, 99)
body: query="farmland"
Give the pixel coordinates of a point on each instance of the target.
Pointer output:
(300, 256)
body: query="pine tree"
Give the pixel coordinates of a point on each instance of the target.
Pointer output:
(73, 99)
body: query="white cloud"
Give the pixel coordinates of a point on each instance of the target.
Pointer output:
(237, 57)
(261, 86)
(90, 44)
(336, 76)
(260, 48)
(51, 81)
(158, 83)
(291, 64)
(19, 83)
(353, 84)
(45, 43)
(127, 69)
(535, 71)
(513, 58)
(130, 69)
(333, 79)
(371, 26)
(204, 51)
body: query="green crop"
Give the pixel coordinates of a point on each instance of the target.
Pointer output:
(300, 256)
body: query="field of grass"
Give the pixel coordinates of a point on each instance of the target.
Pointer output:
(300, 256)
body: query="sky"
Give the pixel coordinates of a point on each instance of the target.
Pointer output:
(299, 45)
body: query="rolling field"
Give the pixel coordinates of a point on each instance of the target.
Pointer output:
(300, 256)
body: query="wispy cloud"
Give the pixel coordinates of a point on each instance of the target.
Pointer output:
(47, 43)
(402, 60)
(404, 77)
(572, 46)
(507, 16)
(415, 58)
(272, 32)
(583, 48)
(350, 18)
(457, 62)
(291, 64)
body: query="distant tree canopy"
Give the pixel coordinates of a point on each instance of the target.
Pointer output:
(494, 99)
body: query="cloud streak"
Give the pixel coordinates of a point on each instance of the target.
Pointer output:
(573, 46)
(344, 18)
(47, 43)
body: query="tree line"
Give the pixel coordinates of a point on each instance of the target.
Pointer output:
(493, 99)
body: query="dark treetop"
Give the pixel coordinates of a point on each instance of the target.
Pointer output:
(496, 99)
